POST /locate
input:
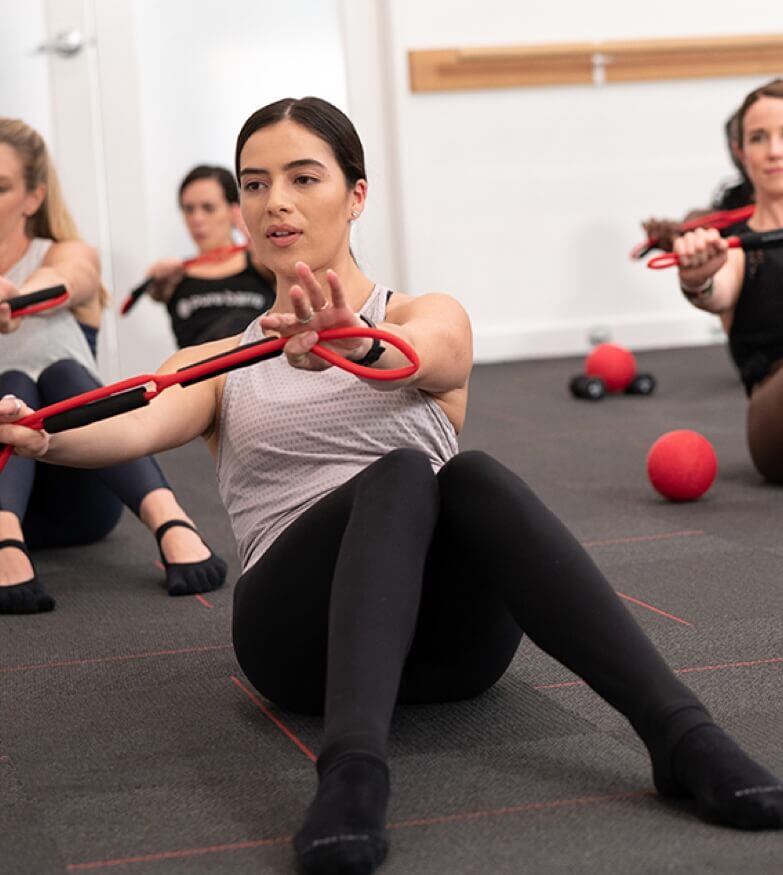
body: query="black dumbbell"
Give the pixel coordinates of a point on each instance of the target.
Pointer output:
(642, 384)
(589, 388)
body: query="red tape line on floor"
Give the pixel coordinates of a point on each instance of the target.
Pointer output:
(267, 712)
(750, 663)
(403, 824)
(207, 648)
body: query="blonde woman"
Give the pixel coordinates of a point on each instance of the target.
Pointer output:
(48, 357)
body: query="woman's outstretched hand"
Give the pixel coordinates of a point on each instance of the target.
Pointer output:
(314, 311)
(7, 291)
(165, 276)
(702, 253)
(26, 442)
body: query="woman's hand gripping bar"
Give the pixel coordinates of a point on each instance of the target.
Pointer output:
(719, 220)
(749, 241)
(37, 302)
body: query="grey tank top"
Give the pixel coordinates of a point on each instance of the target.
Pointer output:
(289, 437)
(42, 340)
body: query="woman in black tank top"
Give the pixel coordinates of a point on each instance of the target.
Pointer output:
(222, 297)
(746, 288)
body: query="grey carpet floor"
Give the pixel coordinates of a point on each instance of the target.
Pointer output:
(130, 741)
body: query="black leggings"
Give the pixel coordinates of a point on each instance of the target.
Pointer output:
(417, 588)
(63, 507)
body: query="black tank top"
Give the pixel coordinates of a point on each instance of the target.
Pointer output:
(210, 309)
(756, 333)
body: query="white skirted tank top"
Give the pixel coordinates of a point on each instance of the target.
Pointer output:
(289, 437)
(44, 338)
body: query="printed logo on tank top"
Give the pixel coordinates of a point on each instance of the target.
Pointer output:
(186, 307)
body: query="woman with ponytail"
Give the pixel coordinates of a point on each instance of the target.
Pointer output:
(50, 356)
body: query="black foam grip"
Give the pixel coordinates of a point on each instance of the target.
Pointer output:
(133, 296)
(22, 301)
(95, 412)
(230, 366)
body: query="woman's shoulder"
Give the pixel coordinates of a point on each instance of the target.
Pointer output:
(61, 249)
(430, 301)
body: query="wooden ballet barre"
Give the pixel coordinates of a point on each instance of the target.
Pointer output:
(594, 62)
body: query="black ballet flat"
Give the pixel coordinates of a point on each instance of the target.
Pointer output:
(28, 597)
(190, 578)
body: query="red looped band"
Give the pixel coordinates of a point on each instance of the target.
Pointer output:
(219, 364)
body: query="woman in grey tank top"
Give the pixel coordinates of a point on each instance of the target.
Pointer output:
(45, 358)
(381, 566)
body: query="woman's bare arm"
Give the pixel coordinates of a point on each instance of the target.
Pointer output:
(173, 418)
(73, 264)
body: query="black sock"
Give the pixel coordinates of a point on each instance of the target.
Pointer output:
(189, 578)
(344, 832)
(729, 787)
(25, 598)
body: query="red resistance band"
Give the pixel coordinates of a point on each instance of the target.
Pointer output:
(751, 240)
(135, 392)
(213, 255)
(36, 302)
(719, 220)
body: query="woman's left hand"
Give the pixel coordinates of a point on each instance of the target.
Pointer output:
(7, 291)
(314, 312)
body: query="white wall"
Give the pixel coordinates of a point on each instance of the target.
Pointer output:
(524, 202)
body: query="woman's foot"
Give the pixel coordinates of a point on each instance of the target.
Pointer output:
(344, 832)
(20, 589)
(191, 567)
(729, 787)
(183, 544)
(188, 576)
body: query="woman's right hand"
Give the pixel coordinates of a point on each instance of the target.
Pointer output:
(27, 442)
(165, 276)
(702, 253)
(7, 291)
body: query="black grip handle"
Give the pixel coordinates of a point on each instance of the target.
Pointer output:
(230, 366)
(98, 410)
(133, 296)
(22, 301)
(761, 239)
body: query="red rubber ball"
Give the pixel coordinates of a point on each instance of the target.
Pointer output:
(614, 364)
(682, 465)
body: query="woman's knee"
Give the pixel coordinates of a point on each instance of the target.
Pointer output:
(402, 475)
(404, 462)
(65, 378)
(474, 472)
(19, 384)
(765, 430)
